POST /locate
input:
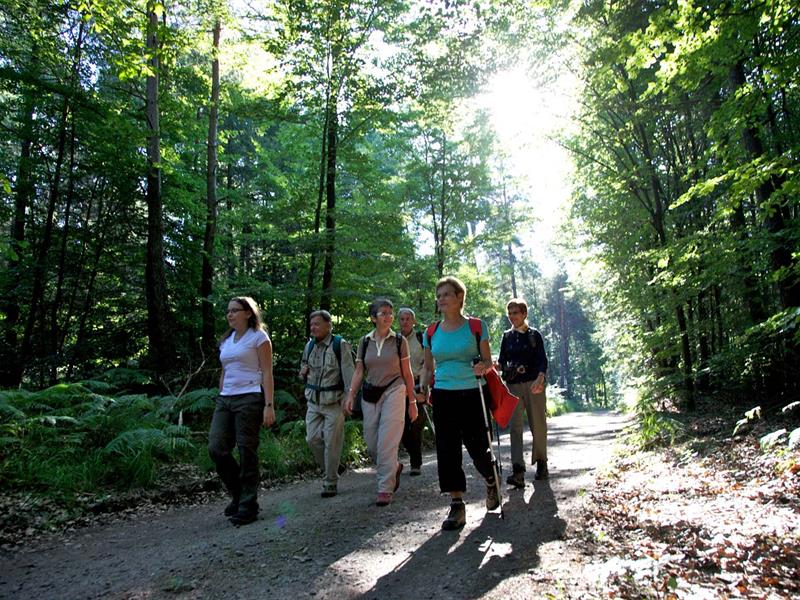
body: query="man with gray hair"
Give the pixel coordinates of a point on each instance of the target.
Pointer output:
(412, 434)
(326, 368)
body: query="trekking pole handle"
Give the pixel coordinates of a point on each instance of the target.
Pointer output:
(475, 361)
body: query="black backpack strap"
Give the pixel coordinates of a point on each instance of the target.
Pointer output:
(308, 348)
(532, 338)
(504, 339)
(419, 337)
(337, 349)
(399, 341)
(363, 350)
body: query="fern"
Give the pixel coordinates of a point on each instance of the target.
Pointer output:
(197, 401)
(123, 378)
(165, 441)
(9, 412)
(98, 387)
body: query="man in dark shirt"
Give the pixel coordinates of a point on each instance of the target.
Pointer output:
(524, 366)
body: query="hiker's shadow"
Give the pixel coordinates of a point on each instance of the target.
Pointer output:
(470, 563)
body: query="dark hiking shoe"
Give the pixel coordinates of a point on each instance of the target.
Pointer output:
(232, 508)
(457, 517)
(397, 476)
(415, 472)
(329, 492)
(492, 496)
(517, 479)
(342, 468)
(244, 517)
(541, 470)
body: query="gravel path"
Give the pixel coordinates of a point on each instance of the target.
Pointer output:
(344, 547)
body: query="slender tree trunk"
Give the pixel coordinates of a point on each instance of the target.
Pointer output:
(440, 235)
(330, 210)
(229, 242)
(703, 378)
(55, 334)
(81, 267)
(11, 365)
(686, 353)
(315, 246)
(37, 310)
(88, 300)
(161, 351)
(209, 238)
(564, 346)
(781, 255)
(245, 250)
(512, 261)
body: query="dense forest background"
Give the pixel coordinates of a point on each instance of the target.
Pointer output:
(158, 158)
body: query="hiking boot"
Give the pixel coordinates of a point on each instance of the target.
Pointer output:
(415, 472)
(329, 491)
(457, 516)
(244, 516)
(517, 479)
(397, 476)
(232, 508)
(541, 470)
(341, 469)
(383, 499)
(492, 496)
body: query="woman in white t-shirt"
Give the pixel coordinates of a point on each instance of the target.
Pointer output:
(245, 403)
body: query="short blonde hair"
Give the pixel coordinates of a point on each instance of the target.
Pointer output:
(456, 284)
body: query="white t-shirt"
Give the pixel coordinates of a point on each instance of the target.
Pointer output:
(240, 361)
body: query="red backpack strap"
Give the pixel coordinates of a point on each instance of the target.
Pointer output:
(476, 327)
(431, 330)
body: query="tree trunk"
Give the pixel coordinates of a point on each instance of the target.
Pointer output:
(55, 334)
(11, 365)
(440, 235)
(41, 264)
(229, 242)
(781, 255)
(686, 353)
(88, 299)
(314, 259)
(512, 262)
(161, 351)
(330, 210)
(564, 346)
(703, 378)
(209, 238)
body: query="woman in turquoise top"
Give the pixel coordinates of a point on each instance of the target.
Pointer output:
(457, 412)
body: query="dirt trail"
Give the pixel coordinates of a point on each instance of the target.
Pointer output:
(344, 547)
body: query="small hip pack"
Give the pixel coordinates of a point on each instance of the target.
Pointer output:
(372, 393)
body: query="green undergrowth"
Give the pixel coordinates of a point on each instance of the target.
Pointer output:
(83, 438)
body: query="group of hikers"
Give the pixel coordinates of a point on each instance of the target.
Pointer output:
(396, 373)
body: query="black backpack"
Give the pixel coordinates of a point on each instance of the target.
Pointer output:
(337, 350)
(531, 337)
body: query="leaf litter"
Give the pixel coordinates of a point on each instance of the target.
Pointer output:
(723, 522)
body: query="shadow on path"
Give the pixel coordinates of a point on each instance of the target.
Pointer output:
(469, 563)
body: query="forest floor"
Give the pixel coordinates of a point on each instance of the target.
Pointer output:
(717, 521)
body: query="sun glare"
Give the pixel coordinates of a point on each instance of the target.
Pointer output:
(528, 120)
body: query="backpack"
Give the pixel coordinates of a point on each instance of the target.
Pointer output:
(501, 401)
(531, 337)
(365, 342)
(337, 351)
